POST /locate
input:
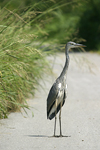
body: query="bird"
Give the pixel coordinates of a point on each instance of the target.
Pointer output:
(58, 92)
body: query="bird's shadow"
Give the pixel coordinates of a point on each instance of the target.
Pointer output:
(43, 136)
(40, 136)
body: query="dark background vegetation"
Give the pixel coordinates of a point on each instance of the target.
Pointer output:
(28, 28)
(63, 20)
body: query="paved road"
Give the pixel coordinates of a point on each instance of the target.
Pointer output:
(80, 114)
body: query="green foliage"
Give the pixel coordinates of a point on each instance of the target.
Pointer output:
(61, 20)
(89, 24)
(22, 62)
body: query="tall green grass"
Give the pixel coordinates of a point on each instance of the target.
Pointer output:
(22, 61)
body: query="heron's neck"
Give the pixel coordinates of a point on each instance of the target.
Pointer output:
(64, 71)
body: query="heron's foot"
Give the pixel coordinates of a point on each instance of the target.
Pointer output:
(58, 136)
(53, 136)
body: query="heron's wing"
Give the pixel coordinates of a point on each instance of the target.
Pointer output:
(52, 97)
(58, 107)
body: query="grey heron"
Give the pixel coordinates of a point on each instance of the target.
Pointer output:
(58, 92)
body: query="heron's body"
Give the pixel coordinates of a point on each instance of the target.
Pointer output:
(58, 99)
(58, 92)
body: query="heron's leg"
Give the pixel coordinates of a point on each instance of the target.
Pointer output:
(60, 119)
(55, 118)
(55, 126)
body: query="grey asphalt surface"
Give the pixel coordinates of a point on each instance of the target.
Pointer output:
(80, 114)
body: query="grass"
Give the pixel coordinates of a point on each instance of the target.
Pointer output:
(22, 61)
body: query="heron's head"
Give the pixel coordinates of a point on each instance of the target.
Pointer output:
(74, 45)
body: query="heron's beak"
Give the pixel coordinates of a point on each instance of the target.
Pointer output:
(80, 45)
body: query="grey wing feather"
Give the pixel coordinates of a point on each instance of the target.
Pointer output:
(58, 107)
(52, 97)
